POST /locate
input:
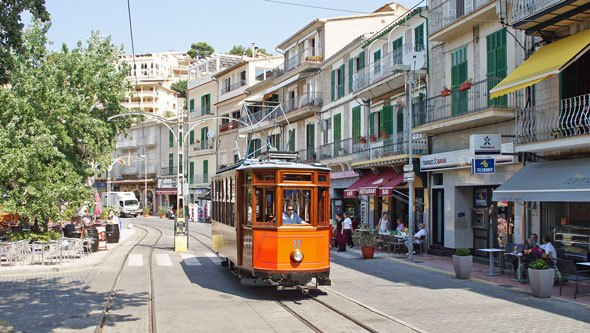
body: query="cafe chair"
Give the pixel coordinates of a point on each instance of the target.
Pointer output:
(568, 269)
(420, 244)
(508, 250)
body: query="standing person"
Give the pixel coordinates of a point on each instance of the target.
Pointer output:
(400, 225)
(340, 233)
(347, 229)
(384, 223)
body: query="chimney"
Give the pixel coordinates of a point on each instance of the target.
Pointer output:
(254, 50)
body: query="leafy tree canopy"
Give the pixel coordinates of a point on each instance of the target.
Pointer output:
(200, 50)
(54, 133)
(11, 36)
(240, 50)
(179, 87)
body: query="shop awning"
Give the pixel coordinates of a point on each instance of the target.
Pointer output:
(546, 62)
(387, 189)
(166, 191)
(352, 190)
(564, 180)
(370, 187)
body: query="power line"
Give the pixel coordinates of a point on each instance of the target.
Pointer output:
(132, 45)
(316, 7)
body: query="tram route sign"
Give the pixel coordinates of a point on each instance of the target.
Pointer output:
(483, 166)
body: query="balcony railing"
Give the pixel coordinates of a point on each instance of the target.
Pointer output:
(308, 55)
(395, 144)
(228, 126)
(203, 144)
(522, 9)
(308, 99)
(384, 67)
(200, 178)
(233, 86)
(459, 102)
(566, 118)
(449, 11)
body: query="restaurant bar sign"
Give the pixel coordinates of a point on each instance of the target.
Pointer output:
(485, 144)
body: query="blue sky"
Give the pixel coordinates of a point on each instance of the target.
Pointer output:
(174, 24)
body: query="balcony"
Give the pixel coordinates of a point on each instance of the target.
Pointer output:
(536, 15)
(461, 109)
(389, 67)
(126, 142)
(548, 127)
(309, 99)
(201, 178)
(445, 14)
(234, 86)
(309, 55)
(149, 141)
(228, 126)
(201, 145)
(357, 149)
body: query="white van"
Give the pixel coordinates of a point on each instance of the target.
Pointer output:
(125, 201)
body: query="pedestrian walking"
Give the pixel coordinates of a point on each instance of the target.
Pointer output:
(347, 229)
(340, 240)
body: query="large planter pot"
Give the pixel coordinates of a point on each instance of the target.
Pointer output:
(146, 214)
(541, 281)
(462, 266)
(368, 252)
(162, 216)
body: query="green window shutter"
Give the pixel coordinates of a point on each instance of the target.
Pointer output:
(205, 171)
(180, 163)
(192, 105)
(180, 138)
(292, 140)
(191, 172)
(400, 122)
(350, 73)
(170, 139)
(372, 124)
(361, 60)
(491, 54)
(191, 137)
(208, 103)
(171, 164)
(387, 119)
(342, 77)
(356, 123)
(419, 37)
(397, 50)
(202, 105)
(333, 83)
(310, 137)
(376, 61)
(337, 128)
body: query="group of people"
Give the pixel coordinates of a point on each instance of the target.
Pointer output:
(534, 250)
(343, 231)
(384, 224)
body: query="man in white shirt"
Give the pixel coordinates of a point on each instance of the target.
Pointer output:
(421, 232)
(549, 248)
(290, 217)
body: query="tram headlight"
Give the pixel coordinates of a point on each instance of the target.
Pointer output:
(296, 255)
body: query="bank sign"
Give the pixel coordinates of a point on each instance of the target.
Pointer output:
(485, 144)
(483, 165)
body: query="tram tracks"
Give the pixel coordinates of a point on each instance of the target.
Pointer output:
(113, 292)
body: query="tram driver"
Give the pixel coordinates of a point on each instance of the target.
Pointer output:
(290, 216)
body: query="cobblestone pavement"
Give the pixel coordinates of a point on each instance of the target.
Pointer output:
(438, 302)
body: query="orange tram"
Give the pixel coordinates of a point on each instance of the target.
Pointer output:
(248, 203)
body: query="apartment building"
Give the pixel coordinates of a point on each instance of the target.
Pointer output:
(470, 52)
(552, 127)
(202, 94)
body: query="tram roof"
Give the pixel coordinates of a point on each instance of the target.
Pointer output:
(278, 164)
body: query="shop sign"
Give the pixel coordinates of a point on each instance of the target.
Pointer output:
(485, 144)
(167, 183)
(409, 176)
(99, 184)
(461, 159)
(483, 166)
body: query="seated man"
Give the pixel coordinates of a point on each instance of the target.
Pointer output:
(421, 232)
(290, 217)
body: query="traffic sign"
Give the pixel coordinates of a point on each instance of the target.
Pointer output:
(409, 176)
(408, 167)
(483, 165)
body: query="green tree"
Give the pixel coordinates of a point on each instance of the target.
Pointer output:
(240, 49)
(200, 50)
(179, 87)
(11, 30)
(53, 135)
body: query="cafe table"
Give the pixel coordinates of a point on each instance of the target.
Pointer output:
(587, 264)
(491, 252)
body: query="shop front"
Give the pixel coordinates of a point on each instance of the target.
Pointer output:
(339, 182)
(166, 192)
(138, 187)
(557, 195)
(463, 214)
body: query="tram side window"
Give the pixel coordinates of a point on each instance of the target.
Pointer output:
(265, 205)
(232, 197)
(248, 206)
(323, 200)
(301, 201)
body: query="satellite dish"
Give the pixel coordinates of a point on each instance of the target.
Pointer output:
(414, 59)
(211, 134)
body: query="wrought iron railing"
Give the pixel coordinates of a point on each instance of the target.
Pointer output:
(233, 86)
(203, 144)
(363, 148)
(467, 98)
(521, 9)
(307, 99)
(308, 55)
(565, 118)
(447, 12)
(228, 126)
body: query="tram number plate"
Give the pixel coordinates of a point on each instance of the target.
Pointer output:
(297, 243)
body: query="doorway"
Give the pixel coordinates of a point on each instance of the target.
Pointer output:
(438, 217)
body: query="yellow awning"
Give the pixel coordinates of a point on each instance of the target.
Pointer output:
(545, 63)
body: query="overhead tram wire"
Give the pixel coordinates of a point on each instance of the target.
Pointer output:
(315, 7)
(132, 44)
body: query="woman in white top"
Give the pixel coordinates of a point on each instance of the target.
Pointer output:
(347, 229)
(384, 223)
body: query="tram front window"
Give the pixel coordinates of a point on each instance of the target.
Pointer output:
(296, 206)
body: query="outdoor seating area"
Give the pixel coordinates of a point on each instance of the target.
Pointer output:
(394, 242)
(56, 251)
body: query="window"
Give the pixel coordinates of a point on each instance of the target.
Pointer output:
(180, 163)
(205, 171)
(301, 201)
(337, 83)
(323, 205)
(397, 51)
(419, 38)
(350, 74)
(377, 62)
(496, 66)
(337, 134)
(204, 138)
(291, 142)
(265, 205)
(242, 78)
(458, 77)
(170, 139)
(356, 123)
(265, 177)
(192, 105)
(275, 141)
(262, 73)
(206, 104)
(191, 172)
(191, 137)
(387, 119)
(296, 177)
(226, 84)
(180, 138)
(171, 164)
(248, 206)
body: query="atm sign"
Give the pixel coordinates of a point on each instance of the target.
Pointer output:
(483, 165)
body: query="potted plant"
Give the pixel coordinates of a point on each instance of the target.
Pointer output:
(146, 211)
(445, 92)
(373, 138)
(541, 278)
(162, 212)
(367, 241)
(465, 85)
(362, 139)
(462, 261)
(384, 135)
